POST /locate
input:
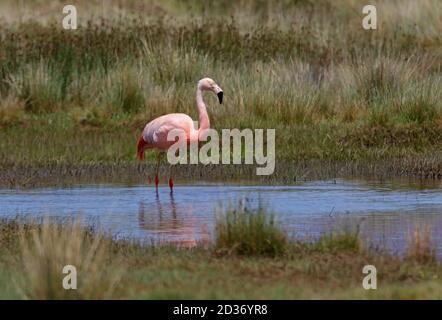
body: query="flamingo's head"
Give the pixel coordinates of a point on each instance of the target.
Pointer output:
(207, 84)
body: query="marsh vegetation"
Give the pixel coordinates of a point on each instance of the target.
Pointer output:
(334, 92)
(245, 265)
(344, 102)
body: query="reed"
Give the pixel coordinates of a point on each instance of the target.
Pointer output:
(332, 91)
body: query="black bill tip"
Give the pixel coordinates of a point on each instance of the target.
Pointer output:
(220, 97)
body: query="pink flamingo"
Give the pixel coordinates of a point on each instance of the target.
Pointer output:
(154, 135)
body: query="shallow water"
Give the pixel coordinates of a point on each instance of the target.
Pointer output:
(386, 213)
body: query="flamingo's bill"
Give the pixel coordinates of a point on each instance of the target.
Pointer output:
(220, 97)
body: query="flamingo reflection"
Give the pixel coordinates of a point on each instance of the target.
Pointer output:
(170, 223)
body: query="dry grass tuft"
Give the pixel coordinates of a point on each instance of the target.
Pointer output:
(12, 111)
(420, 248)
(46, 249)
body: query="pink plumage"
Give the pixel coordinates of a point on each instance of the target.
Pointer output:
(155, 133)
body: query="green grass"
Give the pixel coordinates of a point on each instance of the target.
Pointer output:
(335, 93)
(121, 269)
(245, 231)
(343, 101)
(340, 242)
(51, 150)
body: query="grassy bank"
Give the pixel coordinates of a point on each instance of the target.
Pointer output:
(250, 257)
(335, 93)
(41, 153)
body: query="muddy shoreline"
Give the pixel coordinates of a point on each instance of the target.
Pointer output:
(285, 172)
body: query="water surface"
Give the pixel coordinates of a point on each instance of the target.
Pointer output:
(386, 213)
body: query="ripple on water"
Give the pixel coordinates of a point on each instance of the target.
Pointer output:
(386, 213)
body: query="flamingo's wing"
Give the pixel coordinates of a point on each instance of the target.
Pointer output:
(156, 132)
(160, 134)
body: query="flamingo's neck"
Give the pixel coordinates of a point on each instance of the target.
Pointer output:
(204, 122)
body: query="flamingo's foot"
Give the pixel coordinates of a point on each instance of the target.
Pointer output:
(171, 184)
(157, 181)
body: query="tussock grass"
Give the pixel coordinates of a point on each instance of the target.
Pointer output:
(339, 242)
(304, 68)
(12, 111)
(32, 255)
(420, 248)
(245, 231)
(292, 71)
(38, 88)
(124, 90)
(44, 250)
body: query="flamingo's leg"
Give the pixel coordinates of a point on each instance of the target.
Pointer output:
(170, 179)
(157, 180)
